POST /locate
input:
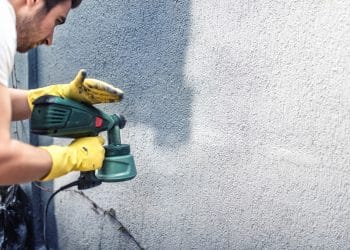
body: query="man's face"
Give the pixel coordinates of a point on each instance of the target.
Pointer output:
(35, 26)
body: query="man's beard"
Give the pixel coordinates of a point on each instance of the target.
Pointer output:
(27, 31)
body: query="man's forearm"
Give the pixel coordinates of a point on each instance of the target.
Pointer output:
(20, 162)
(19, 104)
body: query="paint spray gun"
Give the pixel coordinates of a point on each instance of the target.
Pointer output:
(58, 117)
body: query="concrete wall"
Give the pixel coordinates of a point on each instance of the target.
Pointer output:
(238, 117)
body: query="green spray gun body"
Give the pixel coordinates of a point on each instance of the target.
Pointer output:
(58, 117)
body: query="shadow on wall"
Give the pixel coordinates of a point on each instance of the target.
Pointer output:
(139, 46)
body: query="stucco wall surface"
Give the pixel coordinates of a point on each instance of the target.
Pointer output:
(238, 118)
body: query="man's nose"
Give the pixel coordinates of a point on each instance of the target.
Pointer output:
(48, 41)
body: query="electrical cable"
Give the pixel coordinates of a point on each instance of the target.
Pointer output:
(85, 181)
(72, 184)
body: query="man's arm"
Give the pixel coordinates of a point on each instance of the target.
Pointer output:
(19, 162)
(19, 104)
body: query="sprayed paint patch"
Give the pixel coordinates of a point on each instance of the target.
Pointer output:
(294, 157)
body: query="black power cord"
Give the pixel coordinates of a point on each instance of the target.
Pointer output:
(72, 184)
(86, 180)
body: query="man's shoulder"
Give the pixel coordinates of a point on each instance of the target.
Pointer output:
(7, 18)
(6, 8)
(8, 40)
(8, 33)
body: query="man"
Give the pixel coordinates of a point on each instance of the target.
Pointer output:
(25, 24)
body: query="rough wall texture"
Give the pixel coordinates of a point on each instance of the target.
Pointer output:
(238, 119)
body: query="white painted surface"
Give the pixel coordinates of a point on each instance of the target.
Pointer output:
(238, 119)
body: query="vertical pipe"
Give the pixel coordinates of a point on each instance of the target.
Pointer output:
(37, 205)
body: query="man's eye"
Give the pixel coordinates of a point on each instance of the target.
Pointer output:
(60, 21)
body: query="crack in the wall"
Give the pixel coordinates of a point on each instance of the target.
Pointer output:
(111, 213)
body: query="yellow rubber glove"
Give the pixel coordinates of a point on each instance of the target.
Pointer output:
(83, 154)
(90, 91)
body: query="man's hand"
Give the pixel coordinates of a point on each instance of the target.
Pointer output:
(89, 91)
(83, 154)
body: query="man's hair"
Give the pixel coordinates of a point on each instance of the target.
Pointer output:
(49, 4)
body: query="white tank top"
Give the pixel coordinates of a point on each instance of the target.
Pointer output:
(8, 40)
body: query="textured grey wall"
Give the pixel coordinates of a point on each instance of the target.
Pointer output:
(238, 119)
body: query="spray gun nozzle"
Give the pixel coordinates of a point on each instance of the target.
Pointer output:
(119, 121)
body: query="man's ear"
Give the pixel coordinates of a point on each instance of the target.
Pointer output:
(30, 2)
(34, 2)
